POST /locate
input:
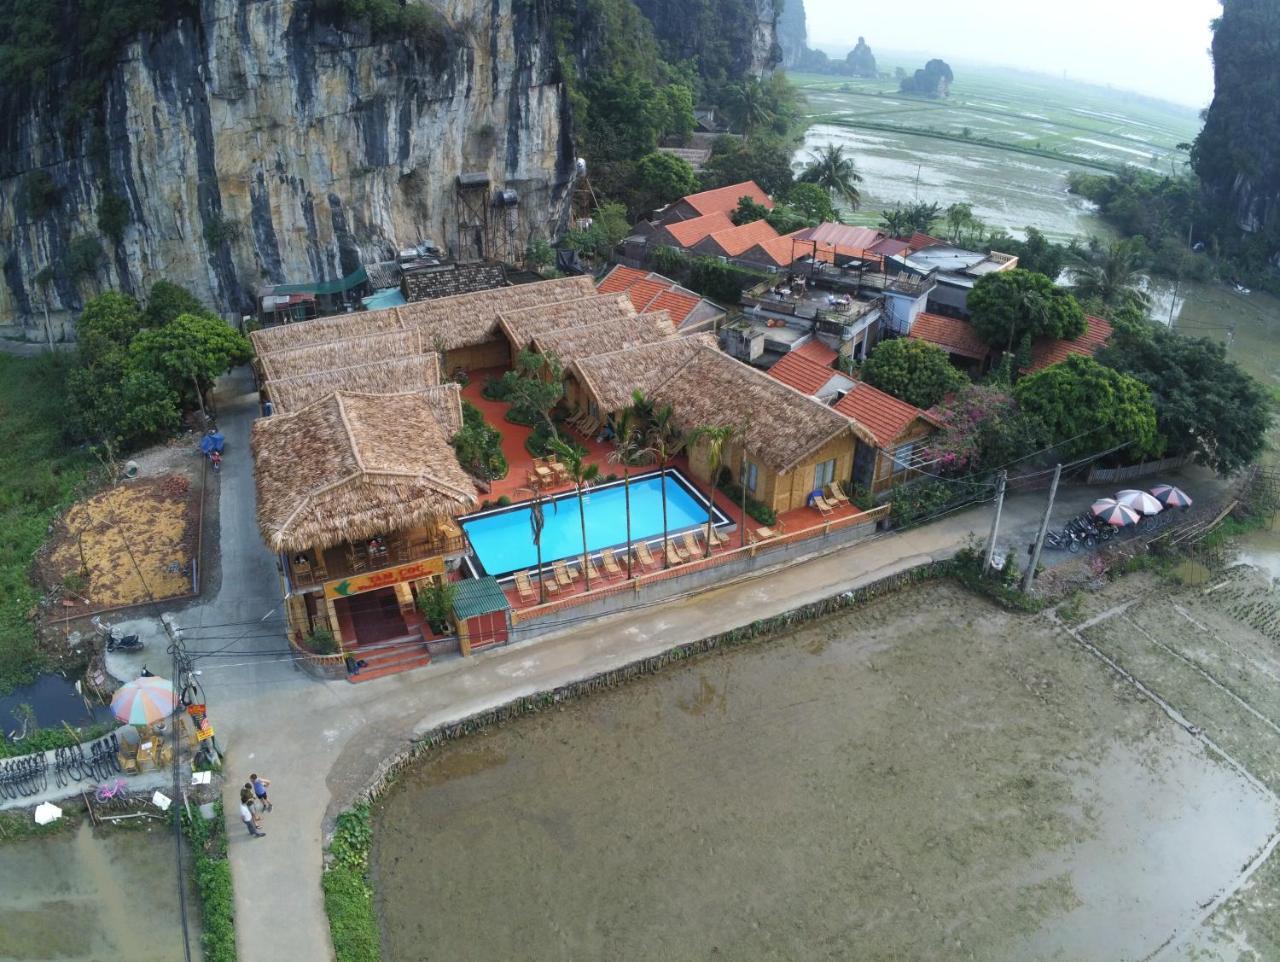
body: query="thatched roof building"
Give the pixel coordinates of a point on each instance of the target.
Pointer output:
(352, 466)
(331, 355)
(396, 376)
(574, 343)
(451, 323)
(521, 326)
(611, 379)
(324, 329)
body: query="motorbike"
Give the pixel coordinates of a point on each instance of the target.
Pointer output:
(115, 639)
(1064, 540)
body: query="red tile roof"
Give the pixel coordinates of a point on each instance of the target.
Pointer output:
(736, 240)
(689, 232)
(1097, 333)
(889, 247)
(677, 304)
(619, 279)
(953, 336)
(919, 241)
(882, 414)
(806, 376)
(815, 350)
(650, 292)
(779, 251)
(843, 236)
(725, 199)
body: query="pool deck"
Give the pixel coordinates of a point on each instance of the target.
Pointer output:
(515, 486)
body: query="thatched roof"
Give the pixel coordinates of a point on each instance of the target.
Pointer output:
(324, 329)
(331, 355)
(708, 388)
(573, 343)
(446, 402)
(450, 323)
(395, 376)
(612, 378)
(522, 326)
(351, 466)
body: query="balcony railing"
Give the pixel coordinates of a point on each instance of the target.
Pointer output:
(309, 569)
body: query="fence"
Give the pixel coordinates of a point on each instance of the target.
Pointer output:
(1133, 471)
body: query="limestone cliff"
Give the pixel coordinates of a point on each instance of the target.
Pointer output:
(728, 39)
(259, 143)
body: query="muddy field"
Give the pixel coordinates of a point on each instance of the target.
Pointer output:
(927, 777)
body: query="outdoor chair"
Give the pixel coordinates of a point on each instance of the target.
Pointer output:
(767, 533)
(563, 575)
(610, 563)
(820, 503)
(674, 555)
(594, 567)
(718, 537)
(523, 586)
(836, 493)
(691, 545)
(645, 556)
(561, 472)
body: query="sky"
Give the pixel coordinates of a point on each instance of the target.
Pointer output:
(1156, 47)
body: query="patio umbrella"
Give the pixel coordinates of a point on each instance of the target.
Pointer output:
(1113, 512)
(1140, 501)
(47, 812)
(144, 701)
(1170, 496)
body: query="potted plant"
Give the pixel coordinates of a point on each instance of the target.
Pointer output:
(436, 605)
(321, 641)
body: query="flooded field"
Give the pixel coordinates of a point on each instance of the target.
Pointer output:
(927, 777)
(81, 896)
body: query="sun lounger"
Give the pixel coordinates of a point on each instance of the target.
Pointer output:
(691, 545)
(718, 537)
(820, 503)
(563, 575)
(590, 427)
(611, 563)
(674, 555)
(836, 493)
(765, 534)
(596, 573)
(645, 556)
(523, 586)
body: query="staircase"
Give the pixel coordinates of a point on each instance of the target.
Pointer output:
(390, 658)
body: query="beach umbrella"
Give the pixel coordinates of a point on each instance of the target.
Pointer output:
(144, 701)
(1140, 501)
(1170, 496)
(47, 812)
(1113, 512)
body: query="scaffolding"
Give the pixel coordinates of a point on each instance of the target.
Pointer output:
(471, 214)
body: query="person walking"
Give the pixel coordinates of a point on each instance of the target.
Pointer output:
(249, 819)
(260, 786)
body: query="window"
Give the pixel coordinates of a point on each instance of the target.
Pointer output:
(750, 475)
(824, 474)
(902, 456)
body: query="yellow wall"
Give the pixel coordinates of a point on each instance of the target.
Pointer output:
(495, 353)
(782, 491)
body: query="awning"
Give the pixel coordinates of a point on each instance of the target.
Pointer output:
(473, 597)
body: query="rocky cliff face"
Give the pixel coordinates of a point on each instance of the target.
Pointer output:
(259, 144)
(729, 39)
(793, 34)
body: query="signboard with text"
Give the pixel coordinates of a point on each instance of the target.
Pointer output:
(356, 584)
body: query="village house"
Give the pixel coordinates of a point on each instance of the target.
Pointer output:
(689, 312)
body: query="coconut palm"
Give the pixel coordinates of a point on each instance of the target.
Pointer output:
(665, 441)
(1111, 274)
(584, 475)
(834, 171)
(716, 439)
(747, 105)
(628, 448)
(536, 523)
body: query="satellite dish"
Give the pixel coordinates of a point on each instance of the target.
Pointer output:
(580, 165)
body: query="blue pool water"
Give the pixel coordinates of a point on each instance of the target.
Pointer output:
(503, 540)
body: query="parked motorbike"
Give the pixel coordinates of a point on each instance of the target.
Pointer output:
(115, 639)
(1065, 540)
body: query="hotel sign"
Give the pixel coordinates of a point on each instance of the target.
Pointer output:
(356, 584)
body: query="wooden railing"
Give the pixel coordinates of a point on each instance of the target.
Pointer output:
(338, 564)
(750, 550)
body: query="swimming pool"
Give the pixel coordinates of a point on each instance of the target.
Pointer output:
(502, 540)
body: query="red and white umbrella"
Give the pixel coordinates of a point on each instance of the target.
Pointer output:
(1140, 501)
(1114, 513)
(1170, 496)
(144, 701)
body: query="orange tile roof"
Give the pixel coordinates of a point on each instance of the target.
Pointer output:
(644, 291)
(689, 232)
(806, 376)
(725, 199)
(1046, 352)
(919, 241)
(780, 250)
(619, 279)
(678, 305)
(843, 236)
(736, 240)
(953, 336)
(882, 414)
(815, 350)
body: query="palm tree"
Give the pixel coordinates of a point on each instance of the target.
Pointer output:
(834, 171)
(1111, 274)
(536, 523)
(584, 475)
(665, 442)
(627, 451)
(748, 105)
(716, 439)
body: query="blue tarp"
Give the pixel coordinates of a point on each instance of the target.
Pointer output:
(213, 441)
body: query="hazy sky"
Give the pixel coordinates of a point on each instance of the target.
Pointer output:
(1153, 46)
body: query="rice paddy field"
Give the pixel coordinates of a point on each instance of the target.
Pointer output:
(1003, 141)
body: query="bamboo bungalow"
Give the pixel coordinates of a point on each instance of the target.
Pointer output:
(396, 376)
(519, 327)
(898, 433)
(357, 494)
(329, 355)
(323, 330)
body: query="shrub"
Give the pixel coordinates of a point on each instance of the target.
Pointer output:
(47, 739)
(436, 604)
(919, 500)
(212, 874)
(40, 193)
(479, 445)
(756, 509)
(113, 216)
(538, 443)
(348, 899)
(321, 642)
(83, 257)
(219, 230)
(496, 389)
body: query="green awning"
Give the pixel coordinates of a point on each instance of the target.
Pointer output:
(354, 279)
(473, 597)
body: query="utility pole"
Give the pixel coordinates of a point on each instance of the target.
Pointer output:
(1044, 530)
(995, 524)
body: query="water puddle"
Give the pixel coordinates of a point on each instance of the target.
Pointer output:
(54, 700)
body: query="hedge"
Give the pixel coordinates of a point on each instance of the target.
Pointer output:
(348, 899)
(212, 874)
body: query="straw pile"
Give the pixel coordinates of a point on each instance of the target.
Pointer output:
(467, 320)
(522, 326)
(332, 355)
(352, 466)
(395, 376)
(573, 343)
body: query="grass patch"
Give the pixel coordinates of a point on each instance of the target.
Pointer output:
(348, 899)
(39, 476)
(16, 826)
(1000, 586)
(47, 739)
(212, 874)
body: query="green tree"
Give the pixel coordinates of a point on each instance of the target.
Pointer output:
(583, 475)
(167, 301)
(538, 256)
(534, 387)
(106, 325)
(1205, 404)
(628, 451)
(746, 104)
(1036, 253)
(1008, 307)
(1086, 407)
(907, 219)
(1111, 273)
(609, 226)
(835, 172)
(812, 202)
(113, 216)
(764, 159)
(83, 257)
(678, 120)
(190, 352)
(912, 370)
(749, 211)
(963, 227)
(716, 440)
(663, 178)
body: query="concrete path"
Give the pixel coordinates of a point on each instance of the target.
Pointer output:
(320, 743)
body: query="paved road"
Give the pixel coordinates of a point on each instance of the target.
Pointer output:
(320, 743)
